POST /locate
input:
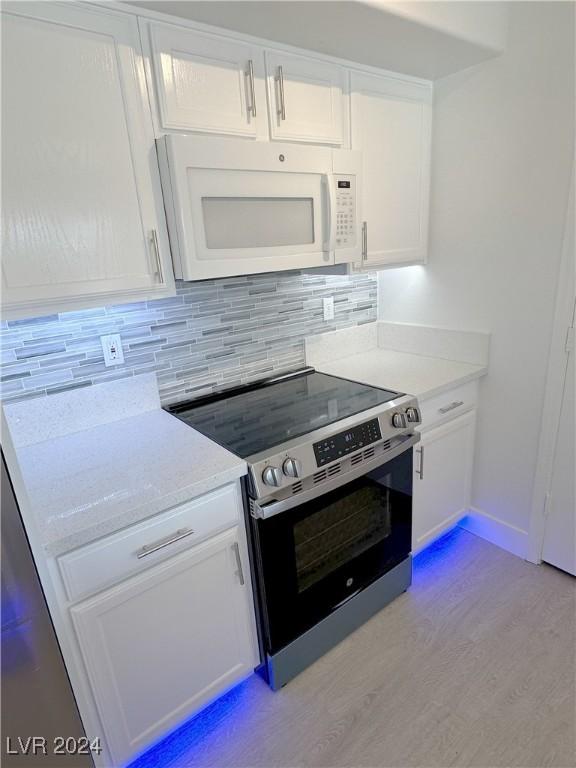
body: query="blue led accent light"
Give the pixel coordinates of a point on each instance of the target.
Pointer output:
(206, 728)
(18, 629)
(234, 711)
(438, 554)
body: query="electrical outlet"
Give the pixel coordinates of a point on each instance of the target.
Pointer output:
(329, 308)
(112, 346)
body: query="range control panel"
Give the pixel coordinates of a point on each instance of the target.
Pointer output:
(346, 442)
(345, 211)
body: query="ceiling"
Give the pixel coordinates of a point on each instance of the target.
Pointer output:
(427, 40)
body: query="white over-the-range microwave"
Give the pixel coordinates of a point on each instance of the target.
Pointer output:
(236, 207)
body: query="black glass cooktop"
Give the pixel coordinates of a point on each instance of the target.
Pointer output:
(253, 419)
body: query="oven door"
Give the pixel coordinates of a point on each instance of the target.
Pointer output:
(316, 556)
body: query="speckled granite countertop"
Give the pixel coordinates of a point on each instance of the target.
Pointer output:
(85, 484)
(417, 360)
(416, 375)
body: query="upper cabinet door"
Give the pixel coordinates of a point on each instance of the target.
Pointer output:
(391, 125)
(208, 83)
(305, 98)
(82, 204)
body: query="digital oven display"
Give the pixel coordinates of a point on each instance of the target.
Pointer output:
(339, 445)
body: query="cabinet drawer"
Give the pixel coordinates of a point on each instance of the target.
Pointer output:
(449, 404)
(111, 559)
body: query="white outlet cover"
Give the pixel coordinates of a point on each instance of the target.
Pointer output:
(112, 346)
(328, 304)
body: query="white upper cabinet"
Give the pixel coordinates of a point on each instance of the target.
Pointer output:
(391, 125)
(215, 84)
(305, 98)
(83, 221)
(208, 83)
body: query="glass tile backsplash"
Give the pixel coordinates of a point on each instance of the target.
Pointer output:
(213, 334)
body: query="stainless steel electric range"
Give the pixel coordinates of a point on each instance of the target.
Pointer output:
(328, 500)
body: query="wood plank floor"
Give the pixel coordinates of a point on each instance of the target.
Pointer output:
(473, 666)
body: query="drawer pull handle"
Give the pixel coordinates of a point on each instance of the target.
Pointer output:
(148, 549)
(451, 407)
(239, 572)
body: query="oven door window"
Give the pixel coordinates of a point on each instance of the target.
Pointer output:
(318, 555)
(340, 533)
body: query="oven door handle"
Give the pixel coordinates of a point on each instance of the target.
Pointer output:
(264, 511)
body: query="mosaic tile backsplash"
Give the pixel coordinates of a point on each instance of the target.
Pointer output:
(212, 335)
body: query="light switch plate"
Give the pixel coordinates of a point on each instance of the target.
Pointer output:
(112, 346)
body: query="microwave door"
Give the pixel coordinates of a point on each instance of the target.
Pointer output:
(239, 222)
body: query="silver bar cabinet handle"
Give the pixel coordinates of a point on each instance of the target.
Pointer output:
(239, 572)
(282, 103)
(159, 270)
(148, 549)
(420, 471)
(451, 407)
(250, 73)
(364, 240)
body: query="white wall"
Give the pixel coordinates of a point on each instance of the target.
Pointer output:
(503, 138)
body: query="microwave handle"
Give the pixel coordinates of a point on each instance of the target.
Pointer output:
(330, 243)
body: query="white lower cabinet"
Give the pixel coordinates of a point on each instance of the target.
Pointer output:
(442, 478)
(162, 644)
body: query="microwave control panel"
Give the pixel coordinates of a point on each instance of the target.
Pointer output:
(346, 442)
(345, 211)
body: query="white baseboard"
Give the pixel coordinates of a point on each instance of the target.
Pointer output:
(496, 531)
(436, 533)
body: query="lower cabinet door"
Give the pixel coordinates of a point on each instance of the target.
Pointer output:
(442, 478)
(164, 643)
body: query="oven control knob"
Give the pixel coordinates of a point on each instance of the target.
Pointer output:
(413, 415)
(291, 468)
(272, 476)
(399, 421)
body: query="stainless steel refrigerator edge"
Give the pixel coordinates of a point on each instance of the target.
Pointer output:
(37, 699)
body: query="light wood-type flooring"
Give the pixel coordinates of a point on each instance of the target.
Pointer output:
(473, 666)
